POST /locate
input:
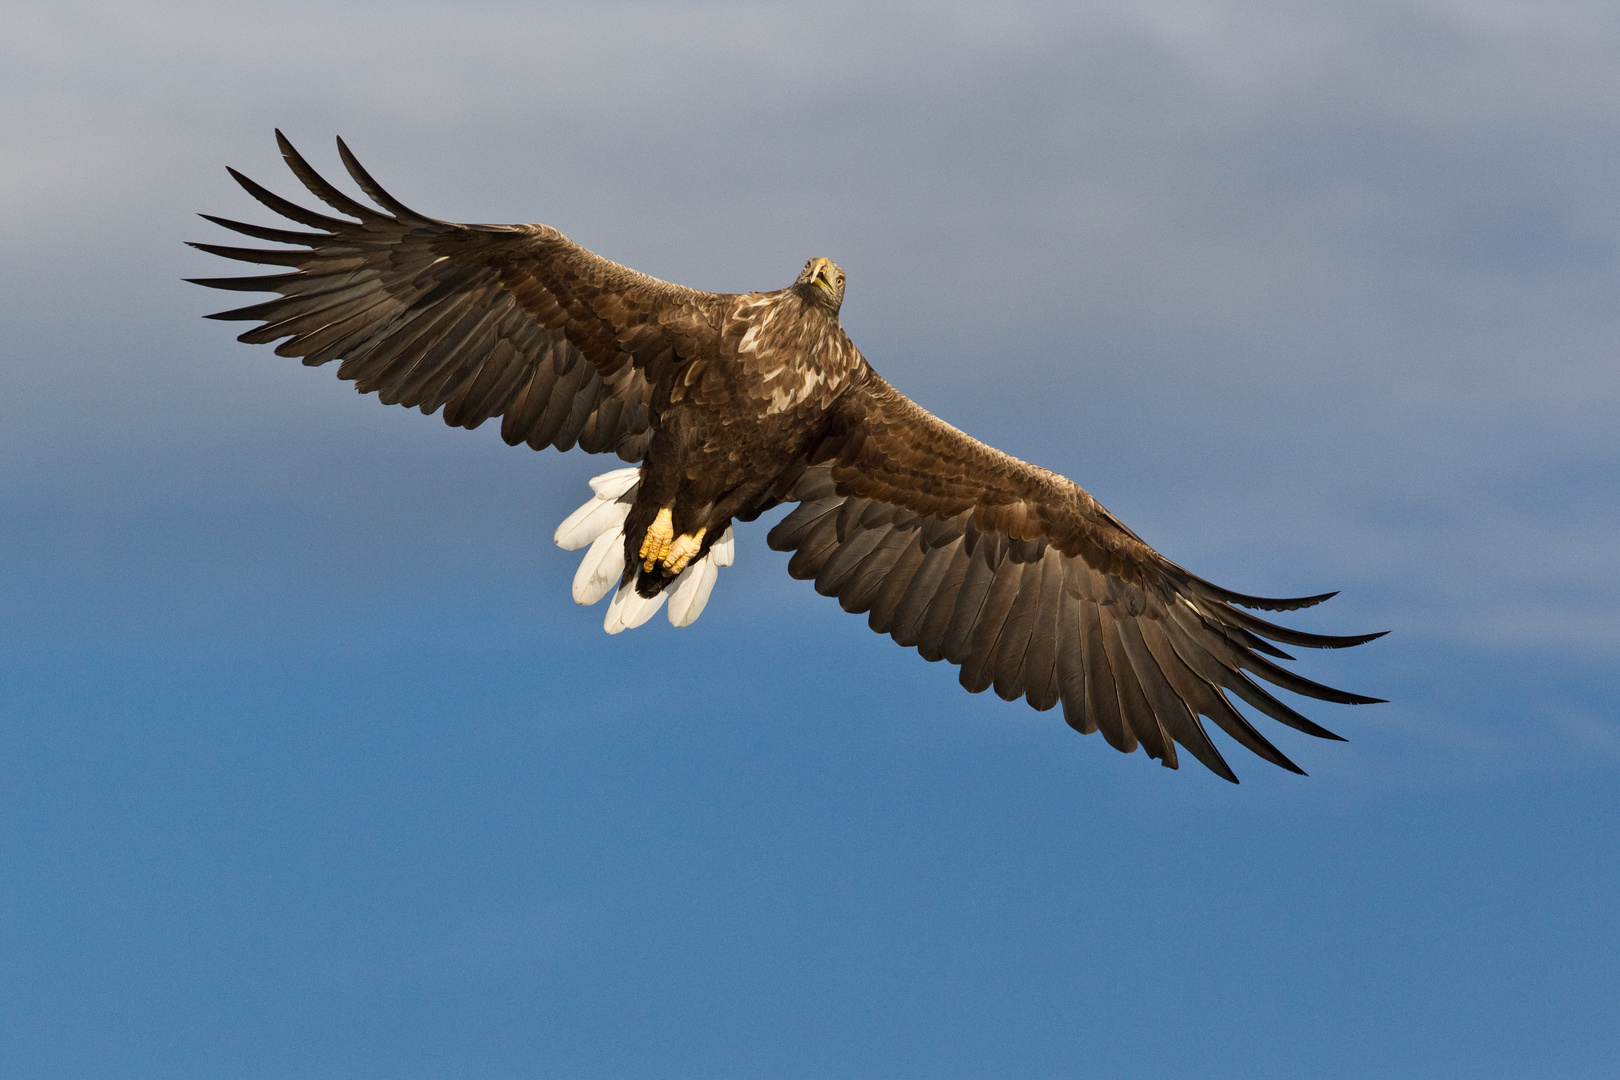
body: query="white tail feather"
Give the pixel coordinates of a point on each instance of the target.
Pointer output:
(724, 550)
(629, 609)
(690, 593)
(601, 567)
(600, 523)
(590, 521)
(610, 485)
(609, 508)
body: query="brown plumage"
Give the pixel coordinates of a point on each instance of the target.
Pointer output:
(734, 404)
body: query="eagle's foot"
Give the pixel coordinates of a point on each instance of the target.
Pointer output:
(681, 551)
(659, 535)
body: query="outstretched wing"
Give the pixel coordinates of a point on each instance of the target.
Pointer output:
(515, 321)
(1025, 581)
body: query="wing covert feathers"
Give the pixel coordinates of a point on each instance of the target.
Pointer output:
(1031, 588)
(514, 321)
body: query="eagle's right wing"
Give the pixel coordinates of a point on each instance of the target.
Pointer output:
(515, 321)
(1021, 578)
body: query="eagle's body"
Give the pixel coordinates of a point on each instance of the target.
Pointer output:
(734, 404)
(736, 419)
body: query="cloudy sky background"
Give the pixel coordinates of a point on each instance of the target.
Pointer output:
(309, 765)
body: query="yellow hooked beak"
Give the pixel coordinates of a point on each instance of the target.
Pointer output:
(822, 276)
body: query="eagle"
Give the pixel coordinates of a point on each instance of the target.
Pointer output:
(727, 405)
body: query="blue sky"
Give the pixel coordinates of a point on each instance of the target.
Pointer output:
(309, 766)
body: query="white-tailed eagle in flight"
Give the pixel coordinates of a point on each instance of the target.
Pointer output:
(729, 405)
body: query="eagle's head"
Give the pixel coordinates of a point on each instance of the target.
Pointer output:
(823, 281)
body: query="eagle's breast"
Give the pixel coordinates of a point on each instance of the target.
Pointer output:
(788, 354)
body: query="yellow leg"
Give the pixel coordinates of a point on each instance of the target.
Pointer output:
(681, 551)
(659, 535)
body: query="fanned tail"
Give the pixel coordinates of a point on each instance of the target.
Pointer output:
(600, 524)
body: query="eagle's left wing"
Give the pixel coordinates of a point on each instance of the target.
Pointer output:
(515, 321)
(1022, 579)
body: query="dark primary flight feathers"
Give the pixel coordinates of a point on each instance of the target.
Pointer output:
(1007, 570)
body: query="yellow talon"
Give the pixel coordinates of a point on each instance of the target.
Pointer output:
(681, 551)
(659, 535)
(661, 548)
